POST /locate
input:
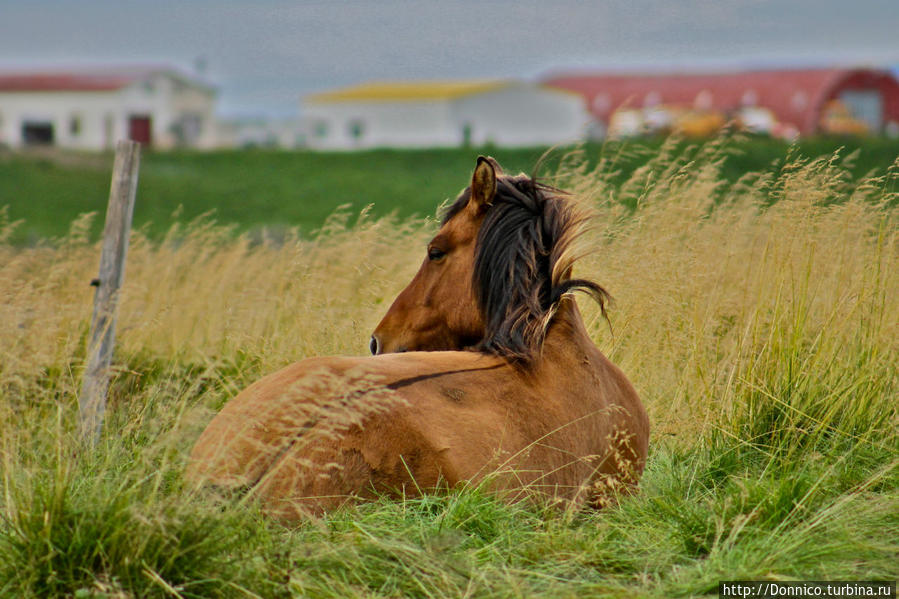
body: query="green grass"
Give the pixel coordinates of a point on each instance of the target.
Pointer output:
(280, 190)
(249, 188)
(117, 524)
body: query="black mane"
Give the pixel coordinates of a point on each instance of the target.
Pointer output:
(523, 258)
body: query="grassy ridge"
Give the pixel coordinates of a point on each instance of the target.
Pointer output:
(756, 315)
(280, 190)
(251, 188)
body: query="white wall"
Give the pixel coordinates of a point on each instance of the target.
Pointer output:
(90, 109)
(514, 115)
(523, 115)
(102, 116)
(187, 108)
(383, 124)
(263, 133)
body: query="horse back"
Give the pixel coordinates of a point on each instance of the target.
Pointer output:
(307, 438)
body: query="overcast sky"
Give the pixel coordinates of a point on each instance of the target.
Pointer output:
(265, 54)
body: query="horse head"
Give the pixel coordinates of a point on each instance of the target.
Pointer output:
(494, 274)
(438, 309)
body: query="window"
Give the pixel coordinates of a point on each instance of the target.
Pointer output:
(704, 100)
(467, 130)
(37, 133)
(75, 125)
(652, 99)
(321, 129)
(187, 129)
(750, 98)
(602, 102)
(357, 129)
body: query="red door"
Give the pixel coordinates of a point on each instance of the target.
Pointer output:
(140, 129)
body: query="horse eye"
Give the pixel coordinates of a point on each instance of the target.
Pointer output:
(435, 253)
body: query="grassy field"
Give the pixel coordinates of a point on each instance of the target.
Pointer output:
(281, 190)
(757, 314)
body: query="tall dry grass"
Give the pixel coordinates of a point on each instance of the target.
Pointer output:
(719, 287)
(713, 282)
(702, 272)
(759, 318)
(204, 296)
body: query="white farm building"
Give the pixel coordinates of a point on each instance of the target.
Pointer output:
(444, 113)
(91, 110)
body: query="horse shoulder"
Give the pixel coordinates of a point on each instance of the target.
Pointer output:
(620, 431)
(630, 413)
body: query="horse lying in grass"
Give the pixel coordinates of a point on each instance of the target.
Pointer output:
(483, 371)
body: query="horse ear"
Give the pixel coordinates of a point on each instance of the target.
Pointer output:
(483, 182)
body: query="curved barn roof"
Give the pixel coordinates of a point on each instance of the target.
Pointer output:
(795, 96)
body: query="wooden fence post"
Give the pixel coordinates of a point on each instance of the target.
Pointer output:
(92, 402)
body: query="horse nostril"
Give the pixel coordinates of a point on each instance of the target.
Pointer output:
(373, 345)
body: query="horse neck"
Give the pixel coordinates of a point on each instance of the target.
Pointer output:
(567, 333)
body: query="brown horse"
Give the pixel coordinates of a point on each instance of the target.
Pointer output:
(530, 407)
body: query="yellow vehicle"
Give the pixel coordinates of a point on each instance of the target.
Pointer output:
(837, 119)
(699, 123)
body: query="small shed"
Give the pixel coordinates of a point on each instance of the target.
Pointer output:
(798, 97)
(92, 109)
(443, 113)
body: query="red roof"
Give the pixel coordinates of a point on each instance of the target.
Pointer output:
(80, 80)
(795, 96)
(47, 82)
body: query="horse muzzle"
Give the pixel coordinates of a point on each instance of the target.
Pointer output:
(376, 346)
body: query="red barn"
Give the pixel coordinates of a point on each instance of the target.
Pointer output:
(797, 97)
